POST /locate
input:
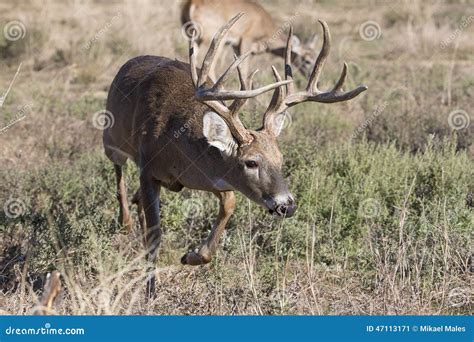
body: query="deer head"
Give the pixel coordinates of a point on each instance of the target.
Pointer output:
(304, 53)
(252, 157)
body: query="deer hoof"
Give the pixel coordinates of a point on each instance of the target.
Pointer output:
(127, 225)
(194, 258)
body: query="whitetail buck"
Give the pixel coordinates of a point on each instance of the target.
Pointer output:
(257, 32)
(171, 120)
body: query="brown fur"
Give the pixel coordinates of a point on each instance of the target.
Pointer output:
(152, 100)
(256, 31)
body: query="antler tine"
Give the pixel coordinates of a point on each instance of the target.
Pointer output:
(321, 58)
(276, 101)
(250, 78)
(288, 70)
(282, 100)
(209, 59)
(238, 103)
(237, 61)
(340, 82)
(332, 97)
(212, 94)
(192, 59)
(215, 95)
(278, 94)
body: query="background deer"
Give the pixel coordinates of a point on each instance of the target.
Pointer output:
(152, 98)
(257, 32)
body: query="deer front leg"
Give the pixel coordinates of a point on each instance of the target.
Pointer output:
(124, 219)
(203, 254)
(150, 200)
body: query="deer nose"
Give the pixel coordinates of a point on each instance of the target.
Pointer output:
(286, 209)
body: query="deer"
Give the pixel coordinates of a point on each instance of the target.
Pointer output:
(257, 32)
(173, 122)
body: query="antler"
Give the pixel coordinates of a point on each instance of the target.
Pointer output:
(284, 98)
(215, 94)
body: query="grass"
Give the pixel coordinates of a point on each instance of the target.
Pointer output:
(384, 183)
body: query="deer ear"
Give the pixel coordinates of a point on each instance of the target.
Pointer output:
(295, 41)
(218, 134)
(311, 43)
(278, 122)
(296, 45)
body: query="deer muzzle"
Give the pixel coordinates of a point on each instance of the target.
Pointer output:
(283, 209)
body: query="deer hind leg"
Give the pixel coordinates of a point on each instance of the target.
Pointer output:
(125, 220)
(141, 213)
(150, 202)
(203, 254)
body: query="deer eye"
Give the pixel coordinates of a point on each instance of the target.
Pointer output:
(251, 164)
